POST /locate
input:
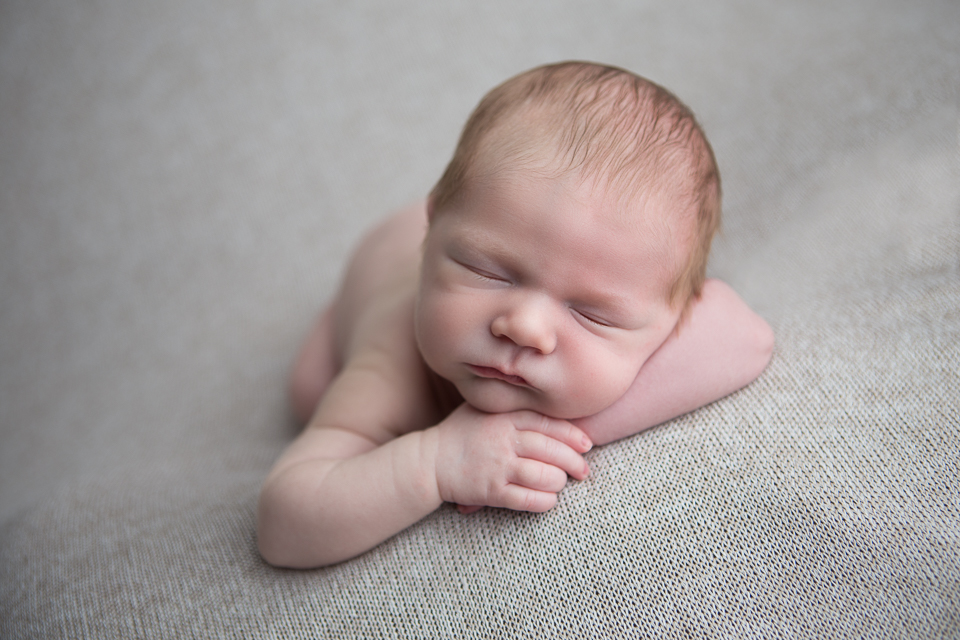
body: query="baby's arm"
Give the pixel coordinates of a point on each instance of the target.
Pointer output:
(721, 347)
(336, 493)
(362, 471)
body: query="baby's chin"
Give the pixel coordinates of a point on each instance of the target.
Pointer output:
(508, 400)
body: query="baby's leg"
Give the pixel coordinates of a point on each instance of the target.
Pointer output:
(315, 367)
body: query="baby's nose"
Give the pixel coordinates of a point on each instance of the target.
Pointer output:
(528, 324)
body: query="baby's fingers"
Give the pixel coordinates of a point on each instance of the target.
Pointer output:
(538, 476)
(560, 430)
(522, 499)
(544, 449)
(467, 510)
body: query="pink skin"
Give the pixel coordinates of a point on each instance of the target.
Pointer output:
(518, 460)
(529, 296)
(722, 347)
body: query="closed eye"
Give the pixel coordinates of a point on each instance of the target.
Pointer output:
(593, 319)
(481, 274)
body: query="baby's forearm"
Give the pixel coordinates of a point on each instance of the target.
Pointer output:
(321, 511)
(722, 347)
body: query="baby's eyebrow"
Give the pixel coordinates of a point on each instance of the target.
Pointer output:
(611, 306)
(475, 245)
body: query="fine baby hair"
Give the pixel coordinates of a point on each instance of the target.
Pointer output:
(604, 123)
(484, 340)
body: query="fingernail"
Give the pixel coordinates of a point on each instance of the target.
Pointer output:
(586, 469)
(586, 442)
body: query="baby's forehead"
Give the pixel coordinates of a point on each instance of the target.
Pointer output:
(647, 226)
(647, 210)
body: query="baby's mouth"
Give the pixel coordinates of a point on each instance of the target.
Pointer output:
(490, 372)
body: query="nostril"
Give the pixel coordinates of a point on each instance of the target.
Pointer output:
(546, 344)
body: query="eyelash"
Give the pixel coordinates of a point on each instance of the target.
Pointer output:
(482, 275)
(486, 276)
(489, 277)
(599, 323)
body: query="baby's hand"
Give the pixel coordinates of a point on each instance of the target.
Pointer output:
(518, 460)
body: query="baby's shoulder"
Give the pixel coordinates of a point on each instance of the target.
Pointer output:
(384, 377)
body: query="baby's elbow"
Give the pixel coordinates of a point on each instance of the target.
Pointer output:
(285, 537)
(269, 540)
(274, 530)
(269, 551)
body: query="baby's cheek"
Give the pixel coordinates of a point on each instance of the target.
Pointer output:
(596, 379)
(437, 327)
(622, 371)
(444, 321)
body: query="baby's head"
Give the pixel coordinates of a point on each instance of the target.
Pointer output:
(627, 134)
(567, 237)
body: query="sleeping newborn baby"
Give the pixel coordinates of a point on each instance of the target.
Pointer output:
(549, 296)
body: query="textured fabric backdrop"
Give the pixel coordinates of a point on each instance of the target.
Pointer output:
(180, 183)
